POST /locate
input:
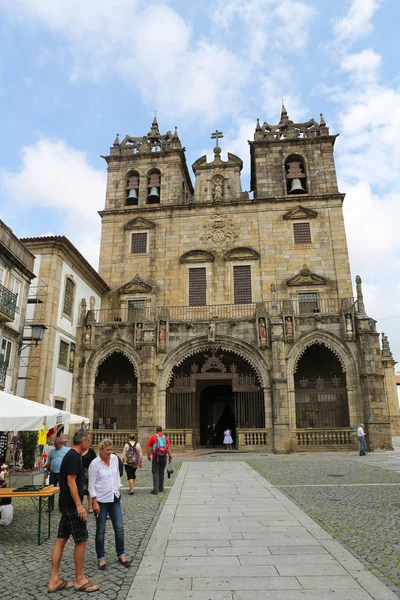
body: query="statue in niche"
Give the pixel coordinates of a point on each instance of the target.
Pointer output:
(218, 191)
(89, 322)
(162, 335)
(289, 329)
(262, 332)
(211, 332)
(349, 325)
(138, 333)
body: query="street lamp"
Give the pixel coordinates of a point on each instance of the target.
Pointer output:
(37, 333)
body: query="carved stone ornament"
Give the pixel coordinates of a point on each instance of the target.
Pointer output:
(300, 212)
(213, 362)
(218, 233)
(241, 253)
(136, 285)
(196, 256)
(306, 277)
(139, 223)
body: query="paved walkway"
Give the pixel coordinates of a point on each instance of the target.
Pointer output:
(226, 533)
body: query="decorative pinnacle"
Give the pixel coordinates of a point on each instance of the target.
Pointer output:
(322, 121)
(258, 126)
(284, 115)
(116, 141)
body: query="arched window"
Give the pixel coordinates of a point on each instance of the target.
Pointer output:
(153, 186)
(69, 296)
(296, 177)
(132, 188)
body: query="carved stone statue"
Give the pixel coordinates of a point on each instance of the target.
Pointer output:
(349, 325)
(262, 332)
(218, 191)
(211, 332)
(162, 335)
(138, 333)
(89, 322)
(289, 329)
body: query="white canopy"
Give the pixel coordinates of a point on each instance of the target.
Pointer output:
(19, 414)
(78, 419)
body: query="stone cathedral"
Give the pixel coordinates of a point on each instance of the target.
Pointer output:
(230, 309)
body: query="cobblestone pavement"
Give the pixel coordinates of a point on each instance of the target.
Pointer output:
(26, 566)
(355, 501)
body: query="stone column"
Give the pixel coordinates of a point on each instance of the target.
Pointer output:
(281, 422)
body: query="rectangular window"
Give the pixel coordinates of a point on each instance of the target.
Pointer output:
(136, 304)
(15, 287)
(136, 310)
(139, 243)
(5, 352)
(302, 233)
(197, 287)
(308, 303)
(69, 297)
(2, 274)
(242, 284)
(63, 357)
(59, 404)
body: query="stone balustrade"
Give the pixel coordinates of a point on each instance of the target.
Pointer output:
(314, 439)
(251, 438)
(181, 439)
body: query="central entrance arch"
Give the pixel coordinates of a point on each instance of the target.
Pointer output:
(214, 386)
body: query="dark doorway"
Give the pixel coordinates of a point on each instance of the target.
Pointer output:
(320, 388)
(216, 406)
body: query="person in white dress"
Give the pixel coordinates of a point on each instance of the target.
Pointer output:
(228, 438)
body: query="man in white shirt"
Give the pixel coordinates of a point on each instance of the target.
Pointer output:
(361, 439)
(6, 512)
(104, 490)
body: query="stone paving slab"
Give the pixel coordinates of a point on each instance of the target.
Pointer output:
(270, 549)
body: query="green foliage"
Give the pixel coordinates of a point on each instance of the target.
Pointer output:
(28, 447)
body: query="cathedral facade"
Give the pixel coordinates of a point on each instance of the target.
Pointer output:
(227, 310)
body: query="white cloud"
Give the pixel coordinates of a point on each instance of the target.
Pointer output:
(363, 67)
(60, 179)
(357, 22)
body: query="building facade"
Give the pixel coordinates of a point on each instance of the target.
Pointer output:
(16, 274)
(65, 282)
(227, 309)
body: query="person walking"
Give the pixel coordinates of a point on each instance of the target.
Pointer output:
(87, 458)
(132, 458)
(158, 451)
(361, 439)
(53, 466)
(104, 490)
(228, 438)
(73, 519)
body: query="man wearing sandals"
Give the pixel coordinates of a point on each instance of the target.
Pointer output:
(73, 519)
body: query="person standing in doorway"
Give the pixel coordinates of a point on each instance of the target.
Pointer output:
(158, 451)
(54, 464)
(73, 518)
(105, 491)
(361, 439)
(228, 438)
(133, 459)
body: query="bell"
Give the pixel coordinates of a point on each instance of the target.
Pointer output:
(154, 195)
(132, 197)
(296, 187)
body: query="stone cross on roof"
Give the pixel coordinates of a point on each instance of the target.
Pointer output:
(216, 135)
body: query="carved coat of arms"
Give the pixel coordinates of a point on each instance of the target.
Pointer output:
(218, 234)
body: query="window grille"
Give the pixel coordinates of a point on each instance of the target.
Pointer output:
(68, 297)
(308, 303)
(139, 243)
(242, 284)
(197, 287)
(302, 233)
(63, 355)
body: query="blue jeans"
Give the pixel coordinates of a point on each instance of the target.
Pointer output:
(54, 480)
(361, 439)
(115, 512)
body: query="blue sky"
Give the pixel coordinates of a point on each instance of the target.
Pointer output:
(75, 72)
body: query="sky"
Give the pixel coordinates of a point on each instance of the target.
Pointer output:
(73, 73)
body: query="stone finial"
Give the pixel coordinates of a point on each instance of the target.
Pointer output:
(322, 120)
(360, 297)
(284, 115)
(176, 132)
(386, 352)
(116, 141)
(258, 126)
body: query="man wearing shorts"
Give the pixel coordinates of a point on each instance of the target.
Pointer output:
(73, 518)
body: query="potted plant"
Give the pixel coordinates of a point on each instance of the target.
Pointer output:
(28, 474)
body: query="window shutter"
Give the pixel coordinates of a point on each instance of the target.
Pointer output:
(302, 233)
(139, 243)
(242, 284)
(69, 297)
(197, 287)
(63, 356)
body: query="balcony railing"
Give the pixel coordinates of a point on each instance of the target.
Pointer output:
(223, 311)
(3, 372)
(8, 303)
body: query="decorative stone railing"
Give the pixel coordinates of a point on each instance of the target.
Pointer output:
(119, 437)
(181, 439)
(250, 438)
(322, 438)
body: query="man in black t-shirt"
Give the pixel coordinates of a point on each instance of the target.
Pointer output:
(73, 518)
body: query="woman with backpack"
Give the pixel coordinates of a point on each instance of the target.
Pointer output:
(132, 458)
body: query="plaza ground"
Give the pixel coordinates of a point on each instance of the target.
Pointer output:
(238, 525)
